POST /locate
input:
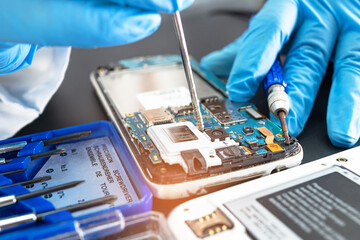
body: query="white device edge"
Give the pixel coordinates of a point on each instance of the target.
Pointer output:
(204, 205)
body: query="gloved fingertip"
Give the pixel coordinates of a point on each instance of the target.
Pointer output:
(214, 63)
(14, 57)
(137, 27)
(340, 139)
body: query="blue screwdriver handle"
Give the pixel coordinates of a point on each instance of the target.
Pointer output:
(275, 76)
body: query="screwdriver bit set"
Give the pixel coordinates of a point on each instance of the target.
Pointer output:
(71, 182)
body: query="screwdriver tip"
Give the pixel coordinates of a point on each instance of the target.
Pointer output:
(46, 178)
(75, 183)
(281, 115)
(110, 199)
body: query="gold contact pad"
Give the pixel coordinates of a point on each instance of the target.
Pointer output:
(211, 224)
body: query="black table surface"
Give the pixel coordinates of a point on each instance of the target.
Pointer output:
(76, 102)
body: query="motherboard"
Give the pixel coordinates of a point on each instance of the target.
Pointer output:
(236, 136)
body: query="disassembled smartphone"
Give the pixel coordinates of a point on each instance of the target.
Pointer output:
(317, 200)
(148, 101)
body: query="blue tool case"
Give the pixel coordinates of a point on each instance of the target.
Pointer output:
(97, 156)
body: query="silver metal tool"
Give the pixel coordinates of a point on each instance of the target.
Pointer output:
(279, 103)
(12, 199)
(36, 156)
(24, 183)
(66, 138)
(188, 72)
(13, 172)
(9, 147)
(32, 217)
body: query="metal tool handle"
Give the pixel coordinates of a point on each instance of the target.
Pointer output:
(7, 200)
(15, 221)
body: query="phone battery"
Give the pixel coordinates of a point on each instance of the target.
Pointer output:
(94, 161)
(322, 205)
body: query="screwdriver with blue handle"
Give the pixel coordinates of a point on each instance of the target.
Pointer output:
(279, 103)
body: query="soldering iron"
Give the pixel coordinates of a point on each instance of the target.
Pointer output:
(275, 86)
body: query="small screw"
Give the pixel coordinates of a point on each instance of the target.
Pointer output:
(341, 159)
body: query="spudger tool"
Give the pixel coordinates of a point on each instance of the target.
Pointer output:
(9, 147)
(279, 103)
(188, 71)
(32, 217)
(12, 199)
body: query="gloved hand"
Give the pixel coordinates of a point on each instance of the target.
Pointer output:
(25, 24)
(317, 29)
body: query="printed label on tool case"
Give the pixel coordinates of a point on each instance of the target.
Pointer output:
(94, 161)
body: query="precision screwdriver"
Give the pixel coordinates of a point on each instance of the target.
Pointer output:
(279, 103)
(9, 147)
(188, 71)
(24, 183)
(13, 172)
(32, 217)
(35, 156)
(12, 199)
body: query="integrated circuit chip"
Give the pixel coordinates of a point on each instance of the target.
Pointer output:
(180, 134)
(248, 130)
(158, 116)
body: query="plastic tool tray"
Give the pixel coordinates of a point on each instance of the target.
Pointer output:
(99, 159)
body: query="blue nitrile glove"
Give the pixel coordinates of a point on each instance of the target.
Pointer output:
(317, 29)
(25, 24)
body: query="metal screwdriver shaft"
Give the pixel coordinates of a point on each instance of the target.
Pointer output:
(24, 183)
(13, 172)
(9, 147)
(282, 116)
(12, 199)
(32, 217)
(188, 72)
(36, 156)
(66, 138)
